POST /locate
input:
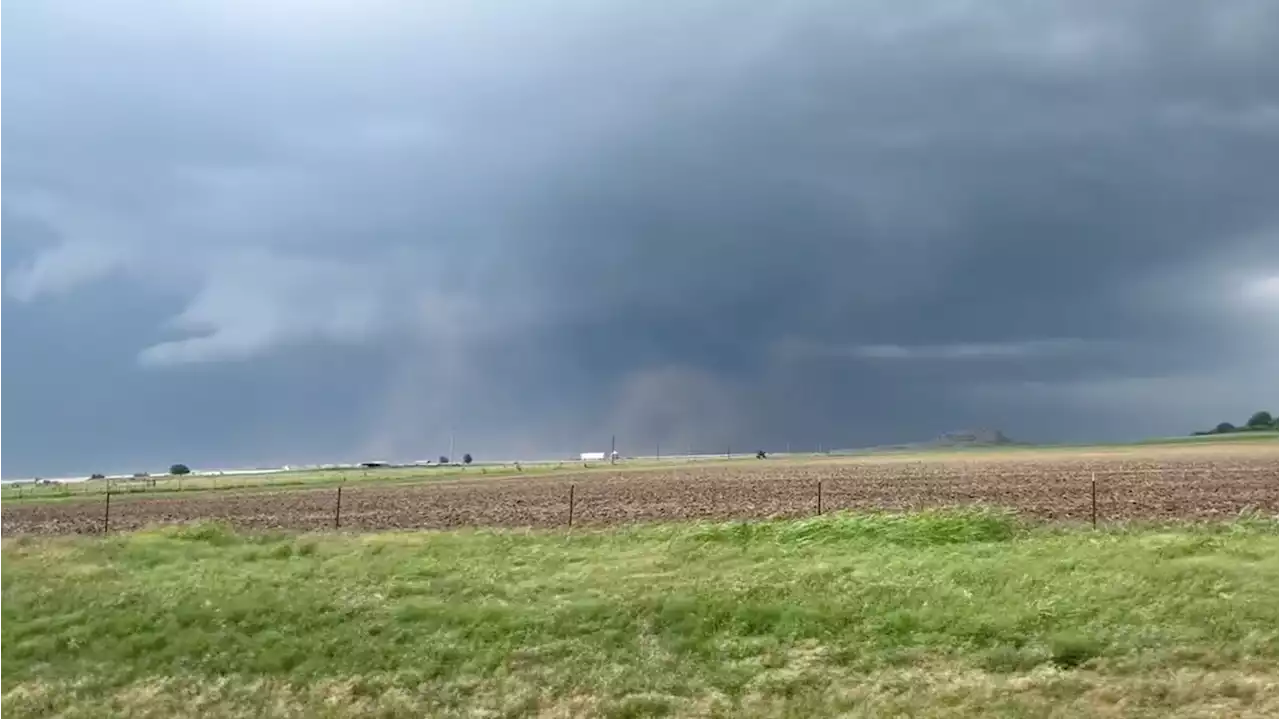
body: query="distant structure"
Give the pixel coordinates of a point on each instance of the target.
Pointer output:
(592, 456)
(981, 437)
(374, 464)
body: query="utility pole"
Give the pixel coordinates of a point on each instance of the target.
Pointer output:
(613, 448)
(451, 459)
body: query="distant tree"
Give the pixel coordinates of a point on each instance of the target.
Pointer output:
(1260, 420)
(444, 459)
(466, 458)
(1224, 428)
(761, 454)
(97, 475)
(179, 469)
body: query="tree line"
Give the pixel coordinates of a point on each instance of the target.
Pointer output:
(1259, 421)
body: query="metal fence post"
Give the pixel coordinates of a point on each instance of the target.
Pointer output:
(337, 511)
(819, 497)
(106, 515)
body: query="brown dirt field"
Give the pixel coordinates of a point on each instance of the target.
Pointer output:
(1132, 483)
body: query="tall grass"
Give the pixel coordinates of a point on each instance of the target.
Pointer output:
(940, 613)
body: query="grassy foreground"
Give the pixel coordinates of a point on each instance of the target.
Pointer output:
(939, 614)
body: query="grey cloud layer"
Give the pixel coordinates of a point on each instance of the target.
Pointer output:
(546, 220)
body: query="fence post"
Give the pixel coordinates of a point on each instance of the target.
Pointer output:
(571, 505)
(1093, 498)
(106, 515)
(819, 497)
(337, 511)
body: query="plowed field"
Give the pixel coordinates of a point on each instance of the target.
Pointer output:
(1147, 483)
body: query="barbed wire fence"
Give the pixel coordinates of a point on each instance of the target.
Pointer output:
(1095, 496)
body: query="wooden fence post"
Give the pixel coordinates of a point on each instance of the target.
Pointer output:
(1093, 498)
(106, 515)
(819, 497)
(571, 505)
(337, 511)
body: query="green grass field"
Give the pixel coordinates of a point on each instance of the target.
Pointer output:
(318, 478)
(1266, 435)
(299, 479)
(1243, 437)
(937, 614)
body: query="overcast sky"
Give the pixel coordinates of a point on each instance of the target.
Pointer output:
(241, 232)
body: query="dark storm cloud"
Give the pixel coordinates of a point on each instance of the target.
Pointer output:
(720, 224)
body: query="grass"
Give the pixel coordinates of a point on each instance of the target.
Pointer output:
(319, 478)
(300, 479)
(934, 614)
(1244, 435)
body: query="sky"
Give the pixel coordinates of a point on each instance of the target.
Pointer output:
(246, 233)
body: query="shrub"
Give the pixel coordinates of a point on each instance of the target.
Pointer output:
(1072, 650)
